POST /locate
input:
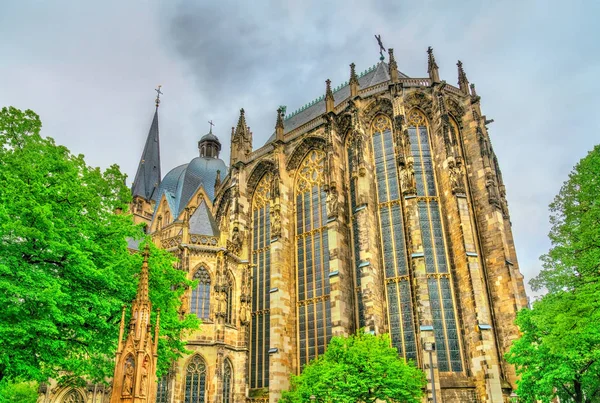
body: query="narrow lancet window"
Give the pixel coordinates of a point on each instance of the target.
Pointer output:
(200, 303)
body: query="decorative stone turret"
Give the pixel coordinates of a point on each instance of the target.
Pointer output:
(463, 83)
(241, 140)
(393, 67)
(134, 380)
(328, 97)
(354, 86)
(432, 67)
(279, 125)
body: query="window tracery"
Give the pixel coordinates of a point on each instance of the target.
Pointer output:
(439, 285)
(312, 254)
(227, 382)
(261, 275)
(393, 243)
(73, 397)
(195, 381)
(200, 303)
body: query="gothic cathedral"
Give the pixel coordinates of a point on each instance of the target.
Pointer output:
(379, 206)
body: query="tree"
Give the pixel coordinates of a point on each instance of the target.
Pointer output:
(558, 353)
(65, 270)
(22, 392)
(359, 368)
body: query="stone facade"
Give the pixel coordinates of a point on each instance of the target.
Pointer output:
(451, 279)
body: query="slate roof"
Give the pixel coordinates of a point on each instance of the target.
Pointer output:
(375, 76)
(147, 177)
(202, 222)
(182, 182)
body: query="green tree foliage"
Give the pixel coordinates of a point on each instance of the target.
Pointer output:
(21, 392)
(65, 270)
(559, 351)
(360, 368)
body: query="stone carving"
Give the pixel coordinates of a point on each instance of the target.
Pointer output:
(332, 203)
(307, 144)
(236, 239)
(407, 178)
(456, 177)
(144, 380)
(490, 184)
(128, 378)
(276, 220)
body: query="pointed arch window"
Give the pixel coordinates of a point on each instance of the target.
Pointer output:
(312, 256)
(200, 303)
(73, 397)
(261, 283)
(227, 382)
(393, 243)
(439, 281)
(163, 389)
(195, 381)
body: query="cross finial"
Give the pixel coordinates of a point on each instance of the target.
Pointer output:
(158, 94)
(381, 47)
(210, 122)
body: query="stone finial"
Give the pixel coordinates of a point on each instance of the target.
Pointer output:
(353, 81)
(474, 97)
(328, 97)
(241, 140)
(393, 67)
(279, 124)
(463, 82)
(432, 67)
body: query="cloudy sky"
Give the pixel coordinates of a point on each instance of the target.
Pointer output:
(90, 68)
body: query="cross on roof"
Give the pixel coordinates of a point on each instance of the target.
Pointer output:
(158, 94)
(210, 122)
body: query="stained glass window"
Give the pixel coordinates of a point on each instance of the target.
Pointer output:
(312, 247)
(439, 286)
(261, 276)
(393, 244)
(73, 397)
(195, 381)
(162, 390)
(200, 303)
(227, 382)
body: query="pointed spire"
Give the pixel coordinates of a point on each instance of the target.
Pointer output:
(241, 140)
(279, 125)
(218, 179)
(147, 176)
(463, 83)
(432, 67)
(393, 67)
(142, 292)
(328, 96)
(242, 127)
(354, 85)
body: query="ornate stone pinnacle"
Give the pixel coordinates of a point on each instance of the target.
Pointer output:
(328, 92)
(353, 76)
(431, 64)
(463, 83)
(279, 124)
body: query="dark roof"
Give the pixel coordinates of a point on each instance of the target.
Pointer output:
(180, 184)
(210, 137)
(376, 75)
(147, 177)
(202, 222)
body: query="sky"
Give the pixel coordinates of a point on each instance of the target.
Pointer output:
(89, 69)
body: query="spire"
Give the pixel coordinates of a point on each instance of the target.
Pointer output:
(147, 177)
(432, 67)
(142, 292)
(241, 140)
(463, 83)
(354, 85)
(328, 96)
(393, 67)
(279, 124)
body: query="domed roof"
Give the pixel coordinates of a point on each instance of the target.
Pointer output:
(180, 184)
(210, 137)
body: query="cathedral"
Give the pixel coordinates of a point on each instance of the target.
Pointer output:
(377, 207)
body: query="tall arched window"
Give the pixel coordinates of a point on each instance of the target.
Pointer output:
(73, 397)
(393, 245)
(439, 281)
(228, 290)
(200, 303)
(162, 389)
(261, 283)
(195, 381)
(314, 304)
(227, 382)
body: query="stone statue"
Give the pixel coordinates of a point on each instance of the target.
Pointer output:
(244, 313)
(144, 381)
(456, 178)
(407, 177)
(236, 238)
(332, 203)
(275, 221)
(128, 380)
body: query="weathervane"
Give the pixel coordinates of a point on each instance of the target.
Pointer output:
(158, 94)
(381, 47)
(210, 122)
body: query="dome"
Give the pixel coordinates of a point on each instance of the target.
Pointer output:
(210, 137)
(180, 184)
